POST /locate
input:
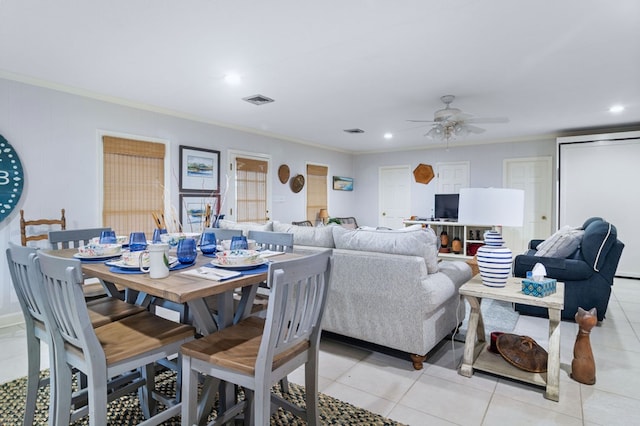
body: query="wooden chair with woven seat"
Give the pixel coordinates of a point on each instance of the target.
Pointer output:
(25, 224)
(101, 312)
(255, 353)
(105, 352)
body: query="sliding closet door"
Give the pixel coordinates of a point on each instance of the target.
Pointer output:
(599, 177)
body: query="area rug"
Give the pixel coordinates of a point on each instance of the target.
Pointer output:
(497, 316)
(126, 410)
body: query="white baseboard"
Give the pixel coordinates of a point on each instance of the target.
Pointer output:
(10, 320)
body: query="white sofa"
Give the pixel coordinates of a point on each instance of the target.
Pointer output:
(387, 287)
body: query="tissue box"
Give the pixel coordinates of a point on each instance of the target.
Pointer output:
(541, 288)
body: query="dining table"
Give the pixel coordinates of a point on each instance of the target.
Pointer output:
(183, 288)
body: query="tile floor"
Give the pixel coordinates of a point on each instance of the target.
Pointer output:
(438, 395)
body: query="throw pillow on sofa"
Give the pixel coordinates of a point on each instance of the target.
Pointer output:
(317, 236)
(245, 227)
(562, 243)
(599, 237)
(417, 242)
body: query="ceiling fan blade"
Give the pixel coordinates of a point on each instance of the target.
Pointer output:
(474, 129)
(421, 121)
(487, 120)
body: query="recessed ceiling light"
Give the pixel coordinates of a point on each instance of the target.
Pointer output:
(616, 108)
(233, 79)
(388, 135)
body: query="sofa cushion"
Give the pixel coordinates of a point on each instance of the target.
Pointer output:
(318, 236)
(415, 242)
(599, 237)
(561, 244)
(245, 227)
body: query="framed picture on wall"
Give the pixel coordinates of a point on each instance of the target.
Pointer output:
(199, 170)
(341, 183)
(193, 209)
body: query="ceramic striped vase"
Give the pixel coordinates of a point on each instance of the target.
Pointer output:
(494, 260)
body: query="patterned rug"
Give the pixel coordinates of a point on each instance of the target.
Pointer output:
(126, 410)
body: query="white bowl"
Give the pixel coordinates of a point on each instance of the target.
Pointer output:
(132, 258)
(238, 257)
(97, 249)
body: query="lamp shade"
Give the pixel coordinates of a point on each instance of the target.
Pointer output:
(323, 214)
(491, 206)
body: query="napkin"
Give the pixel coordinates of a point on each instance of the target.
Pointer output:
(213, 274)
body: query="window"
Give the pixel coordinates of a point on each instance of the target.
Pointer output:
(133, 184)
(251, 189)
(316, 190)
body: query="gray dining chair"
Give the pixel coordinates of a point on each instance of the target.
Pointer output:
(101, 312)
(275, 241)
(70, 238)
(102, 353)
(224, 234)
(74, 238)
(256, 352)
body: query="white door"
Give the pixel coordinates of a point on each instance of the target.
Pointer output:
(534, 176)
(451, 177)
(395, 196)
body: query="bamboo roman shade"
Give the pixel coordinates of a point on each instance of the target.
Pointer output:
(133, 184)
(251, 187)
(316, 190)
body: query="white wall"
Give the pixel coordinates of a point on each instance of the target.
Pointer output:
(56, 136)
(485, 170)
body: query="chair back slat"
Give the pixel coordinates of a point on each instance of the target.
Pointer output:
(299, 289)
(71, 238)
(18, 258)
(61, 284)
(275, 241)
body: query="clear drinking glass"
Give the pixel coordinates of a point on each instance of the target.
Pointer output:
(108, 237)
(137, 241)
(208, 242)
(186, 250)
(239, 243)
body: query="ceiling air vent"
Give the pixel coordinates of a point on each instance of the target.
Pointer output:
(258, 100)
(354, 130)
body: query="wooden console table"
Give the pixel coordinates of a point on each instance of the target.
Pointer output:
(476, 354)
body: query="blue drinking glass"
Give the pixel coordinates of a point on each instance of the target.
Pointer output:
(108, 237)
(239, 242)
(156, 235)
(137, 241)
(186, 250)
(208, 242)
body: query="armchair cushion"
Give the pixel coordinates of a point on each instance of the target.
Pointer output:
(560, 269)
(561, 244)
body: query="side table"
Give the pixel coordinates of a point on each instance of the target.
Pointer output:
(476, 354)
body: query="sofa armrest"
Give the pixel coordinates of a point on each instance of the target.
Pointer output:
(534, 243)
(560, 269)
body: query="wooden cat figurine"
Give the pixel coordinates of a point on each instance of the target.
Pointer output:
(583, 366)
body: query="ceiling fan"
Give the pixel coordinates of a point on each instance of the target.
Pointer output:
(450, 123)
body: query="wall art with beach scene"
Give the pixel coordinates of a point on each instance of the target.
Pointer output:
(199, 170)
(194, 209)
(341, 183)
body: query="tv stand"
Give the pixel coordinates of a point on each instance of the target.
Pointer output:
(470, 235)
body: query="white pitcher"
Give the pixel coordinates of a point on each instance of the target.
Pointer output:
(158, 261)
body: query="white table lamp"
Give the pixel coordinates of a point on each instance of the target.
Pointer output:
(496, 207)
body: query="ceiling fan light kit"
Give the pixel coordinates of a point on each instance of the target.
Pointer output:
(451, 123)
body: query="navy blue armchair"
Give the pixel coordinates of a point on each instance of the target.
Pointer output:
(587, 273)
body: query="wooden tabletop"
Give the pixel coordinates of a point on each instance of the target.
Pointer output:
(177, 287)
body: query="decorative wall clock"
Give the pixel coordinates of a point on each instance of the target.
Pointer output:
(11, 178)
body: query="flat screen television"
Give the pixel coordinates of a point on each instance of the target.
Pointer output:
(446, 207)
